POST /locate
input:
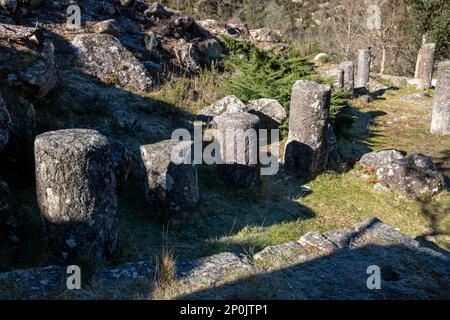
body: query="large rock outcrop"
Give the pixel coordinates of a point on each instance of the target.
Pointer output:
(270, 111)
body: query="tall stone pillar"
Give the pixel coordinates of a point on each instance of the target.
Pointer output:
(237, 135)
(349, 75)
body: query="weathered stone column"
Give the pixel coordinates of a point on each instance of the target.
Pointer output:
(170, 176)
(363, 75)
(349, 75)
(76, 191)
(306, 150)
(440, 123)
(237, 135)
(424, 65)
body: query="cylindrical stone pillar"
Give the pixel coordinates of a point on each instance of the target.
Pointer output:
(237, 136)
(76, 192)
(424, 65)
(170, 176)
(306, 150)
(440, 123)
(363, 76)
(5, 124)
(349, 75)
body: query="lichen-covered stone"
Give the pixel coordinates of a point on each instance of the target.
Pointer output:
(380, 158)
(281, 255)
(9, 6)
(440, 123)
(415, 176)
(34, 283)
(213, 269)
(169, 186)
(317, 240)
(103, 56)
(363, 75)
(349, 75)
(229, 104)
(41, 77)
(22, 129)
(76, 191)
(270, 112)
(5, 124)
(306, 150)
(382, 234)
(424, 65)
(109, 26)
(238, 132)
(156, 9)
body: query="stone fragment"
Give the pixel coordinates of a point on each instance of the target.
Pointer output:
(380, 158)
(270, 112)
(228, 104)
(41, 77)
(349, 75)
(239, 149)
(5, 124)
(307, 150)
(103, 56)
